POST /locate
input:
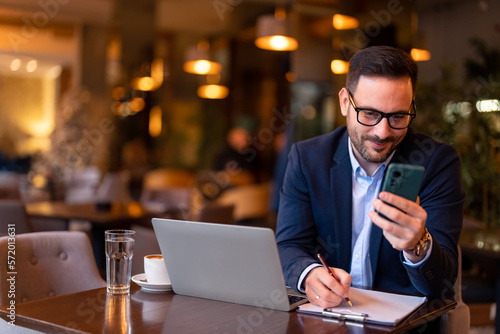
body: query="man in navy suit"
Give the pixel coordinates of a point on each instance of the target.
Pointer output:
(331, 192)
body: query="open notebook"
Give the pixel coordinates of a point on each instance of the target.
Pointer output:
(370, 306)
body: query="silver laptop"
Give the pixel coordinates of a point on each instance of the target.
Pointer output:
(230, 263)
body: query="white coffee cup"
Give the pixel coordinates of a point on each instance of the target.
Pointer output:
(155, 269)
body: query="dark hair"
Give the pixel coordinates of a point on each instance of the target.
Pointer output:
(381, 61)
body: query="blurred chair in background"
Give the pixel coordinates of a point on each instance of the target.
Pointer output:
(81, 184)
(168, 177)
(9, 193)
(457, 321)
(10, 185)
(50, 264)
(251, 203)
(114, 187)
(174, 202)
(13, 212)
(213, 212)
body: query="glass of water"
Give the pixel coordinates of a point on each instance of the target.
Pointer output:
(119, 252)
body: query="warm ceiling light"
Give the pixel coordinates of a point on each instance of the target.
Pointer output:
(344, 22)
(339, 66)
(420, 54)
(157, 72)
(155, 122)
(273, 33)
(198, 61)
(137, 104)
(213, 91)
(202, 67)
(15, 65)
(31, 66)
(145, 84)
(118, 93)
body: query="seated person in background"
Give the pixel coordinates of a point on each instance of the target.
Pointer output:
(331, 192)
(240, 162)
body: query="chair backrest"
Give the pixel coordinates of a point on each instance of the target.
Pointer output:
(13, 213)
(80, 184)
(9, 193)
(10, 183)
(457, 321)
(168, 177)
(165, 199)
(114, 187)
(216, 213)
(48, 264)
(250, 201)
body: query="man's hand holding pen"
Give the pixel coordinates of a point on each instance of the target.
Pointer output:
(327, 290)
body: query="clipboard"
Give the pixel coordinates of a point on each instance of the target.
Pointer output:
(370, 306)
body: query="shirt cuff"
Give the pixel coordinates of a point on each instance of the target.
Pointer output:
(414, 265)
(304, 274)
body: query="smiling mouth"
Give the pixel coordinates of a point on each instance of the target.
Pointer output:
(379, 146)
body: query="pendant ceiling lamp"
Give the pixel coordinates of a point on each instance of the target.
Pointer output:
(198, 60)
(344, 22)
(273, 32)
(339, 66)
(418, 51)
(213, 89)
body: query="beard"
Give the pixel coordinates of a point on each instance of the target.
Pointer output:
(369, 153)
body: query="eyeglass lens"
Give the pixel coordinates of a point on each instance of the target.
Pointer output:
(369, 117)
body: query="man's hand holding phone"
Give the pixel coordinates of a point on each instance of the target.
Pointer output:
(402, 220)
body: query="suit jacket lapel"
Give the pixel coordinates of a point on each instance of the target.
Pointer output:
(341, 178)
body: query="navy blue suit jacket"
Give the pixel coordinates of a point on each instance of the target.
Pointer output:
(315, 214)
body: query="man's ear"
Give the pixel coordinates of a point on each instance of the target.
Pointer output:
(344, 101)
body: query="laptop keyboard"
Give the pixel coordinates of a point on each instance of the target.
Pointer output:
(295, 299)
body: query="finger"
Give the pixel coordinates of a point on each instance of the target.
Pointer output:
(320, 284)
(344, 279)
(318, 294)
(392, 215)
(400, 237)
(403, 204)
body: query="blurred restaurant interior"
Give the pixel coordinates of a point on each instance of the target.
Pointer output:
(100, 103)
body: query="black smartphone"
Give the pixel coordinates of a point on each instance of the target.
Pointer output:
(403, 180)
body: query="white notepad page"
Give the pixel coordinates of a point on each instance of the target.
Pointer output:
(381, 307)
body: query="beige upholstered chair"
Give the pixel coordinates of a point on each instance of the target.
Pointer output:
(250, 201)
(13, 212)
(168, 177)
(48, 264)
(457, 321)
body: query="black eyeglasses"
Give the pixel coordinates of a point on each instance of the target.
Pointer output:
(371, 117)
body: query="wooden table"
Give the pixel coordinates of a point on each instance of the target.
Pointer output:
(94, 311)
(119, 215)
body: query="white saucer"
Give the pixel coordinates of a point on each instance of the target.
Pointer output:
(141, 280)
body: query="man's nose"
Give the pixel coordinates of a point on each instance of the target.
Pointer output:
(382, 129)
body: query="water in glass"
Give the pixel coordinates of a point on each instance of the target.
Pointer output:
(119, 252)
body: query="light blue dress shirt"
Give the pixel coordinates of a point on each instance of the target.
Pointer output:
(364, 190)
